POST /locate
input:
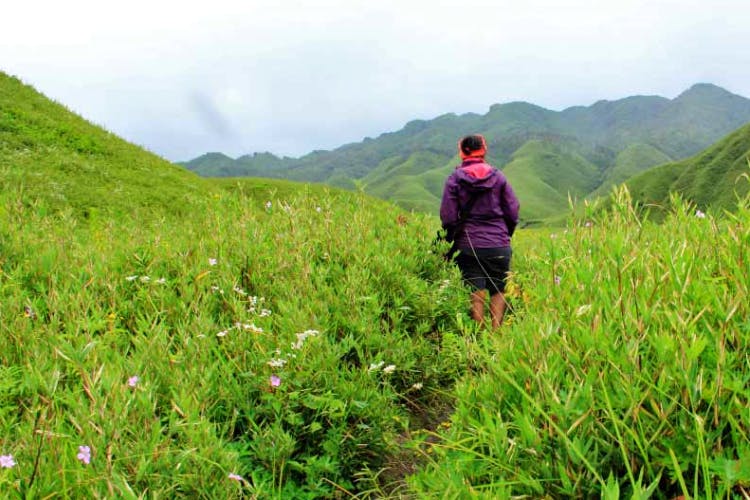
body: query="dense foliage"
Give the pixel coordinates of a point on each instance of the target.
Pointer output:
(282, 338)
(624, 372)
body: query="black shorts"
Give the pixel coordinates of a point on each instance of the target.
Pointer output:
(485, 268)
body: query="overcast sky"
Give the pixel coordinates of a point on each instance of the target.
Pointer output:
(183, 78)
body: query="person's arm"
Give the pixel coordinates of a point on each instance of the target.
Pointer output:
(449, 204)
(510, 206)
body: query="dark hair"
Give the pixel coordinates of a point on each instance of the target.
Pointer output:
(471, 143)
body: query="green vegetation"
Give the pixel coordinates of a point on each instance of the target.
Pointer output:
(177, 337)
(87, 307)
(544, 175)
(623, 373)
(54, 159)
(631, 161)
(711, 180)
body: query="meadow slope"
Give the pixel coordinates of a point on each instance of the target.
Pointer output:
(712, 179)
(55, 159)
(170, 336)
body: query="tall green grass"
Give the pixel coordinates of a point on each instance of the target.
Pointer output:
(624, 373)
(278, 337)
(290, 342)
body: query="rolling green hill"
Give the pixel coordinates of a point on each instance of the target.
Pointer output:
(710, 179)
(620, 138)
(631, 161)
(57, 160)
(544, 174)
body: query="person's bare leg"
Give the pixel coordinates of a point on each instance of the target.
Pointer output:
(477, 306)
(497, 309)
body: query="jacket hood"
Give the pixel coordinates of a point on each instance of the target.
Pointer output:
(478, 175)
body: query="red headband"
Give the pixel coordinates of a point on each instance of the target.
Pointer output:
(478, 153)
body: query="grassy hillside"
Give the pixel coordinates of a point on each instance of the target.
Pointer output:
(415, 183)
(710, 179)
(184, 338)
(631, 161)
(295, 341)
(272, 337)
(48, 155)
(544, 175)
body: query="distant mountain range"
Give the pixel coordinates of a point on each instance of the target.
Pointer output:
(547, 155)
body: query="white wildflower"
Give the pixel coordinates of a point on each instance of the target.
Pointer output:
(700, 214)
(251, 327)
(376, 366)
(301, 337)
(132, 278)
(389, 369)
(416, 386)
(212, 262)
(277, 363)
(222, 333)
(145, 279)
(161, 281)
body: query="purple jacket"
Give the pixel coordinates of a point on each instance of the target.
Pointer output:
(494, 215)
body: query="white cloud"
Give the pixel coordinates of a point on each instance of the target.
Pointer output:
(183, 78)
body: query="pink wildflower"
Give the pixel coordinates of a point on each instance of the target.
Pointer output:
(235, 477)
(275, 381)
(84, 454)
(7, 462)
(133, 381)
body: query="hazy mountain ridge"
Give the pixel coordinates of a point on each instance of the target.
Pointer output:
(660, 129)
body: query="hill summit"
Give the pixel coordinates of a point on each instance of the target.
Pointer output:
(55, 160)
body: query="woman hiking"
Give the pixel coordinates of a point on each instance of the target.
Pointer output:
(481, 210)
